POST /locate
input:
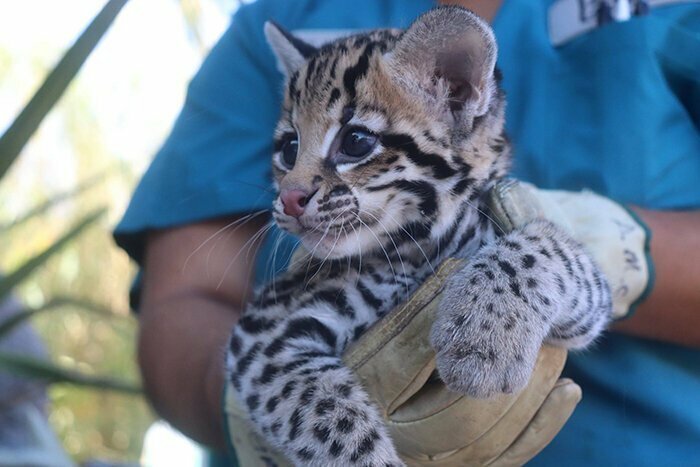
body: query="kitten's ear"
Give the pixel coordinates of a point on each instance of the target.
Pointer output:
(291, 52)
(450, 53)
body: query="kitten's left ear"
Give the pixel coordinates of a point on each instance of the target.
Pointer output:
(291, 52)
(448, 53)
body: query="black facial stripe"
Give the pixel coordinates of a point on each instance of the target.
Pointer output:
(294, 92)
(424, 190)
(335, 95)
(348, 113)
(357, 71)
(292, 86)
(405, 143)
(413, 231)
(309, 72)
(333, 67)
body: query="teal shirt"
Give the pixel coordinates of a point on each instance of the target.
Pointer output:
(616, 110)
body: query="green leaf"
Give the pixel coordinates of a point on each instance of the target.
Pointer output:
(7, 325)
(53, 201)
(56, 82)
(8, 282)
(40, 369)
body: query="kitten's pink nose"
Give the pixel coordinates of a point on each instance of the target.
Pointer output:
(294, 201)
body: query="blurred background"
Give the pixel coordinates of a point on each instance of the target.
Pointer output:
(85, 156)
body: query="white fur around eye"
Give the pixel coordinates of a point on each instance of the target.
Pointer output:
(328, 139)
(346, 166)
(373, 121)
(277, 160)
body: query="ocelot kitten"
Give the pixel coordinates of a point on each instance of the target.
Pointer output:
(386, 143)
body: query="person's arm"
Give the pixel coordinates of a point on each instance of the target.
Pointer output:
(186, 317)
(672, 311)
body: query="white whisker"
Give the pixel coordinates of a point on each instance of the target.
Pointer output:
(396, 248)
(241, 221)
(432, 269)
(250, 241)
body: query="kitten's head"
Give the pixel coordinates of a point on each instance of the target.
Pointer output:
(387, 133)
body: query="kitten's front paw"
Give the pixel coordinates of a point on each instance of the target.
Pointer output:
(485, 342)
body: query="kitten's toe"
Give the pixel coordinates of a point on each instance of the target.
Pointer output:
(480, 373)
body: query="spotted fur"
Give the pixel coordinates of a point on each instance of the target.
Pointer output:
(427, 104)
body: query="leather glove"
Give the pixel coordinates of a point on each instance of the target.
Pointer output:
(429, 425)
(616, 238)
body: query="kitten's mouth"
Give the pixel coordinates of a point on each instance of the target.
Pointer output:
(323, 241)
(326, 235)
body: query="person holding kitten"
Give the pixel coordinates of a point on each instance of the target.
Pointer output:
(599, 97)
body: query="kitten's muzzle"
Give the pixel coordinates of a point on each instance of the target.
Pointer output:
(295, 201)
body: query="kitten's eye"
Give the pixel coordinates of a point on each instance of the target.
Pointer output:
(289, 152)
(357, 143)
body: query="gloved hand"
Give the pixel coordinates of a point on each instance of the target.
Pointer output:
(429, 425)
(613, 235)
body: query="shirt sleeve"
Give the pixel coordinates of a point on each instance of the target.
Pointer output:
(216, 160)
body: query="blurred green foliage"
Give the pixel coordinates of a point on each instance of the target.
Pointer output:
(59, 245)
(72, 166)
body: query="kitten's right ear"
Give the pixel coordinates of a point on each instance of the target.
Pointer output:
(448, 53)
(291, 52)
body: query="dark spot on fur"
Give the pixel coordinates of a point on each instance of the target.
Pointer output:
(365, 447)
(344, 390)
(295, 424)
(513, 245)
(528, 261)
(345, 425)
(252, 401)
(507, 268)
(515, 288)
(336, 448)
(324, 406)
(307, 395)
(305, 454)
(271, 404)
(235, 345)
(288, 389)
(322, 433)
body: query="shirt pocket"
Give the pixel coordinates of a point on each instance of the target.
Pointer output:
(605, 91)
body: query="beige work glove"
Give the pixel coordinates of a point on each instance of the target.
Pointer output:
(616, 238)
(429, 425)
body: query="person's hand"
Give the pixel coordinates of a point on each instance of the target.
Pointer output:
(429, 425)
(613, 235)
